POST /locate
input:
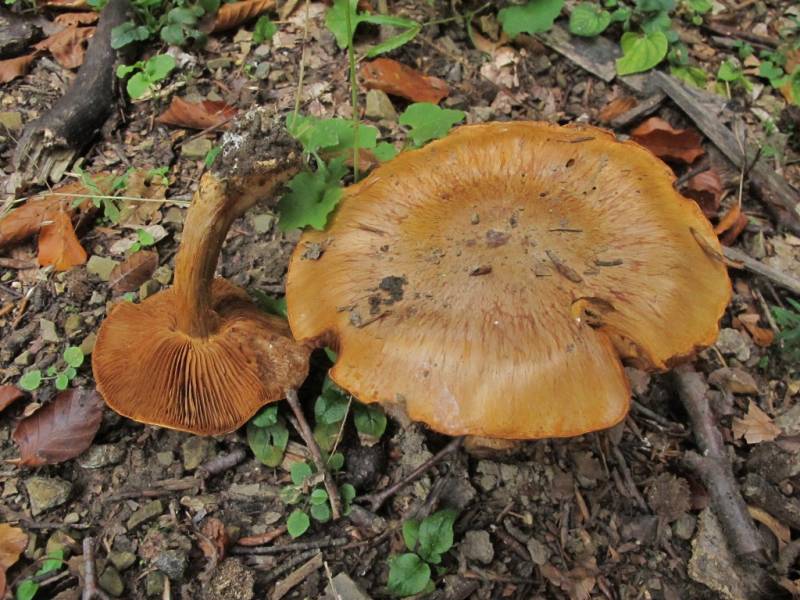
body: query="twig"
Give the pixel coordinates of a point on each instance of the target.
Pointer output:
(693, 172)
(16, 263)
(90, 589)
(642, 109)
(263, 539)
(289, 565)
(221, 463)
(622, 464)
(284, 586)
(714, 468)
(749, 263)
(322, 468)
(376, 500)
(299, 546)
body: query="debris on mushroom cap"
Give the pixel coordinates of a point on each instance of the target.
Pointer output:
(493, 282)
(150, 371)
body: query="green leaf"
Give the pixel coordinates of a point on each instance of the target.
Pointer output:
(621, 15)
(428, 121)
(347, 492)
(27, 589)
(700, 6)
(209, 6)
(336, 20)
(694, 76)
(395, 41)
(370, 420)
(173, 34)
(51, 371)
(127, 33)
(270, 304)
(588, 19)
(332, 135)
(291, 494)
(655, 5)
(436, 535)
(268, 416)
(183, 16)
(385, 151)
(264, 30)
(326, 434)
(110, 210)
(31, 380)
(300, 471)
(535, 16)
(663, 23)
(794, 81)
(336, 461)
(211, 156)
(411, 534)
(331, 406)
(145, 238)
(641, 52)
(62, 381)
(297, 523)
(408, 575)
(124, 70)
(73, 356)
(268, 443)
(159, 66)
(138, 85)
(318, 496)
(321, 512)
(312, 197)
(773, 72)
(70, 372)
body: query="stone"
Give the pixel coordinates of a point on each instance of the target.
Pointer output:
(165, 458)
(263, 222)
(163, 275)
(683, 528)
(24, 359)
(101, 266)
(538, 551)
(196, 450)
(154, 584)
(72, 324)
(111, 582)
(223, 62)
(196, 149)
(477, 545)
(97, 297)
(149, 511)
(379, 106)
(87, 345)
(148, 288)
(733, 343)
(712, 562)
(72, 518)
(342, 587)
(45, 493)
(733, 380)
(172, 563)
(47, 329)
(10, 120)
(122, 559)
(101, 455)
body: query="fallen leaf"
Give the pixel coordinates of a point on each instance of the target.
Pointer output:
(761, 335)
(733, 380)
(61, 430)
(196, 115)
(234, 14)
(76, 18)
(397, 79)
(8, 395)
(706, 189)
(778, 529)
(792, 62)
(128, 275)
(12, 544)
(668, 143)
(68, 45)
(58, 244)
(756, 426)
(731, 225)
(616, 107)
(215, 541)
(12, 68)
(484, 44)
(263, 538)
(728, 220)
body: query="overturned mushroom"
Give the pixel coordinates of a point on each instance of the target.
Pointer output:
(201, 357)
(493, 282)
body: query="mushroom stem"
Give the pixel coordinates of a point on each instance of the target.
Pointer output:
(322, 467)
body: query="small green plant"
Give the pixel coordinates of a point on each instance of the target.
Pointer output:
(428, 122)
(641, 52)
(588, 19)
(535, 16)
(264, 30)
(28, 588)
(98, 197)
(337, 20)
(175, 22)
(730, 74)
(72, 359)
(267, 436)
(144, 239)
(788, 319)
(146, 74)
(427, 541)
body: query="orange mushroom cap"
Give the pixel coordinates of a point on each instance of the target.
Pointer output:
(201, 357)
(492, 282)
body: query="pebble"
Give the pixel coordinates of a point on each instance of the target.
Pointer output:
(111, 582)
(101, 266)
(147, 512)
(342, 587)
(163, 275)
(101, 455)
(196, 149)
(172, 563)
(196, 450)
(477, 545)
(97, 297)
(24, 359)
(122, 559)
(263, 222)
(683, 528)
(165, 458)
(379, 106)
(154, 584)
(223, 62)
(538, 551)
(46, 493)
(72, 325)
(47, 329)
(10, 120)
(87, 345)
(733, 343)
(148, 288)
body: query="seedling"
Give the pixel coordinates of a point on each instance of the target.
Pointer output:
(28, 588)
(174, 22)
(536, 16)
(72, 357)
(730, 74)
(264, 30)
(427, 541)
(98, 198)
(428, 122)
(788, 319)
(146, 74)
(267, 436)
(337, 20)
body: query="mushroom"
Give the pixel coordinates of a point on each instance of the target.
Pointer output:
(201, 357)
(493, 282)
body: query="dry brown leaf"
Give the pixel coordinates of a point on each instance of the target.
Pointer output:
(733, 380)
(8, 395)
(134, 271)
(756, 426)
(68, 46)
(68, 4)
(484, 44)
(668, 143)
(728, 220)
(61, 430)
(12, 544)
(263, 538)
(196, 115)
(397, 79)
(778, 529)
(616, 107)
(706, 189)
(12, 68)
(761, 335)
(58, 244)
(215, 541)
(234, 14)
(76, 18)
(731, 225)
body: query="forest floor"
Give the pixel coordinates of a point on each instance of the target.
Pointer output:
(613, 514)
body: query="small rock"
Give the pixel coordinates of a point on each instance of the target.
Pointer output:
(683, 528)
(477, 545)
(121, 559)
(733, 343)
(223, 62)
(165, 458)
(154, 584)
(72, 518)
(263, 68)
(148, 288)
(87, 345)
(45, 493)
(149, 511)
(342, 587)
(72, 325)
(174, 215)
(538, 551)
(196, 450)
(24, 359)
(379, 106)
(111, 582)
(101, 455)
(263, 222)
(733, 380)
(172, 563)
(101, 266)
(97, 297)
(47, 329)
(163, 275)
(196, 149)
(10, 120)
